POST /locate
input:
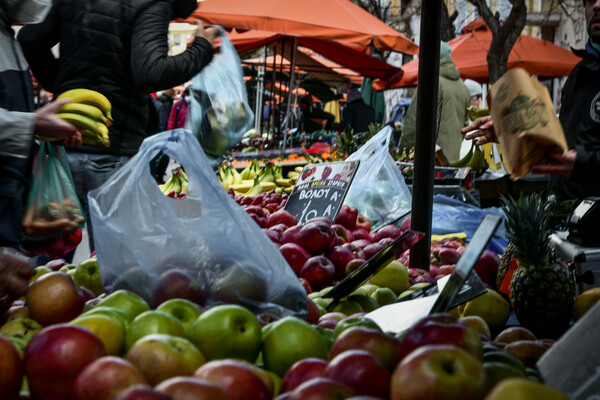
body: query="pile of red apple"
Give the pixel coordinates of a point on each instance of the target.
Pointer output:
(271, 201)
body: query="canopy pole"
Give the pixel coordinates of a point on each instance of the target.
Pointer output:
(290, 89)
(259, 94)
(425, 137)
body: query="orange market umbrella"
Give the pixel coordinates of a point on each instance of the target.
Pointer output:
(339, 20)
(469, 51)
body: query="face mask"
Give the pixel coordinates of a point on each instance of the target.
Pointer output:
(26, 11)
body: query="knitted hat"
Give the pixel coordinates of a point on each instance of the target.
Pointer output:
(474, 87)
(444, 50)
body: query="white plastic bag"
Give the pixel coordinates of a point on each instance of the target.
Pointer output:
(219, 110)
(140, 233)
(378, 190)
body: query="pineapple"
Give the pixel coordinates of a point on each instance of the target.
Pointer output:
(541, 290)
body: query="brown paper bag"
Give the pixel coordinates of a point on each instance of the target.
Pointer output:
(525, 121)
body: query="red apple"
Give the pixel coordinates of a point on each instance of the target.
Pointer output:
(306, 285)
(142, 392)
(340, 257)
(260, 221)
(11, 369)
(316, 237)
(237, 378)
(273, 235)
(54, 358)
(54, 298)
(527, 351)
(446, 269)
(318, 271)
(295, 255)
(358, 252)
(177, 283)
(434, 372)
(190, 388)
(257, 210)
(386, 241)
(56, 264)
(383, 346)
(363, 222)
(405, 225)
(388, 231)
(325, 220)
(342, 234)
(105, 378)
(361, 243)
(280, 228)
(321, 389)
(487, 267)
(371, 249)
(290, 234)
(447, 255)
(302, 371)
(361, 233)
(347, 216)
(441, 329)
(361, 371)
(87, 294)
(313, 312)
(281, 217)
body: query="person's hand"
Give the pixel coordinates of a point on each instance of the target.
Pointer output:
(50, 125)
(209, 33)
(562, 164)
(482, 128)
(14, 277)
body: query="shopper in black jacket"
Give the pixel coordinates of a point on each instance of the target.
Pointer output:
(119, 48)
(574, 173)
(357, 114)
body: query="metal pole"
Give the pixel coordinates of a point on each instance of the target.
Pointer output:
(290, 88)
(429, 67)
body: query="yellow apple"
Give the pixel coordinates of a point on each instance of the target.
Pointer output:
(523, 389)
(490, 306)
(106, 328)
(394, 276)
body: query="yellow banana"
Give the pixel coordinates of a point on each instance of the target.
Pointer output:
(288, 190)
(298, 169)
(477, 162)
(248, 172)
(283, 182)
(82, 122)
(88, 96)
(463, 162)
(255, 189)
(278, 190)
(488, 153)
(242, 187)
(88, 110)
(293, 174)
(267, 186)
(237, 178)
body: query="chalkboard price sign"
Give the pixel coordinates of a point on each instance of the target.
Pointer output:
(320, 190)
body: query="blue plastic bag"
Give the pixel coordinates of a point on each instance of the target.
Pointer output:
(451, 216)
(140, 233)
(219, 113)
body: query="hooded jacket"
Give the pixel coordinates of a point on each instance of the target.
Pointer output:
(118, 48)
(580, 119)
(357, 115)
(453, 97)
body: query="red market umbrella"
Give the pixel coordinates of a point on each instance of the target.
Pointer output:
(469, 51)
(339, 20)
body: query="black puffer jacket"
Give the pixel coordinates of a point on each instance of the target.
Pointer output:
(580, 118)
(118, 48)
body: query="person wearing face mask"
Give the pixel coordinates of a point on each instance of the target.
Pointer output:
(19, 124)
(573, 174)
(119, 48)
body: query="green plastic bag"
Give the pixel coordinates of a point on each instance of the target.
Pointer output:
(53, 217)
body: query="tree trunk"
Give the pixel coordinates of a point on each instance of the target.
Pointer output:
(504, 35)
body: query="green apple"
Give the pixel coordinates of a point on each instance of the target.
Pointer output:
(19, 341)
(227, 331)
(369, 288)
(126, 301)
(354, 321)
(322, 302)
(291, 339)
(67, 267)
(406, 293)
(348, 306)
(39, 271)
(384, 296)
(161, 356)
(24, 326)
(120, 316)
(186, 311)
(87, 275)
(108, 329)
(366, 302)
(394, 276)
(152, 321)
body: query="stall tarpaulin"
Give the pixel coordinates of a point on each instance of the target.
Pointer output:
(469, 52)
(339, 20)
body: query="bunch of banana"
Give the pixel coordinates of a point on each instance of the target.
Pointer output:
(90, 111)
(177, 185)
(474, 159)
(251, 170)
(474, 112)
